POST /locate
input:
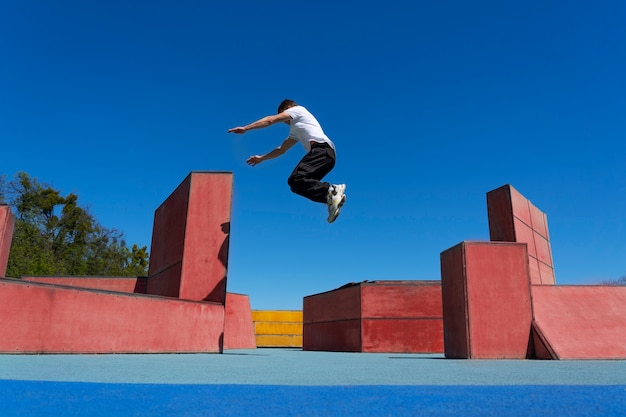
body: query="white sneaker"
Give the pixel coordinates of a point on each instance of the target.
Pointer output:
(335, 199)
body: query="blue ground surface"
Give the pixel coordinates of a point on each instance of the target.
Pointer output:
(291, 382)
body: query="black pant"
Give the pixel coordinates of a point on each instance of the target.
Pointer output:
(306, 176)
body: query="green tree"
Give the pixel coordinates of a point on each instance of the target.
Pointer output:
(55, 236)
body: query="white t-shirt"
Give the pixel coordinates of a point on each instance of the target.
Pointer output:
(304, 128)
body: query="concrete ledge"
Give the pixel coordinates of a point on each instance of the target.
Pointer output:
(118, 284)
(42, 318)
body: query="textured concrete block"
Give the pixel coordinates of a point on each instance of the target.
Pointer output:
(53, 319)
(333, 336)
(238, 326)
(513, 218)
(579, 322)
(377, 316)
(190, 240)
(486, 300)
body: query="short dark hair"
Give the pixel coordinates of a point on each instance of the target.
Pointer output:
(285, 104)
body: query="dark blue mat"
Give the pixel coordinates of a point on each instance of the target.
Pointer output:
(34, 399)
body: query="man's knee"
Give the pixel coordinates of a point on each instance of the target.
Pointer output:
(294, 180)
(296, 184)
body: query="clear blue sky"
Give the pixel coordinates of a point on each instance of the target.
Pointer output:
(430, 104)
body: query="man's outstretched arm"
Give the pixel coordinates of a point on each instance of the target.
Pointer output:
(284, 147)
(261, 123)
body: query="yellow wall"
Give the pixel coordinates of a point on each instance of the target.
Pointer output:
(277, 328)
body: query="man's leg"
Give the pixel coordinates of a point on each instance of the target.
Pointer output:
(305, 180)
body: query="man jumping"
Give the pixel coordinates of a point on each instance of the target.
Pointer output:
(306, 177)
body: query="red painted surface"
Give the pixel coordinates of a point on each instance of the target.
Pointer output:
(118, 284)
(7, 224)
(340, 304)
(332, 336)
(332, 320)
(580, 322)
(189, 259)
(379, 316)
(513, 218)
(190, 241)
(52, 319)
(486, 300)
(413, 335)
(238, 325)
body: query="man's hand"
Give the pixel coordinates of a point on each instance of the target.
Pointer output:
(254, 160)
(237, 130)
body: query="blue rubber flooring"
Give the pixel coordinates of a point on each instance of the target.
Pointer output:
(291, 382)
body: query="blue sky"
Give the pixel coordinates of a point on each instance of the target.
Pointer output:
(430, 104)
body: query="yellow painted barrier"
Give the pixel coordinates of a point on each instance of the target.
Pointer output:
(277, 328)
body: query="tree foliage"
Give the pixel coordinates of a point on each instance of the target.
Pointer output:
(55, 236)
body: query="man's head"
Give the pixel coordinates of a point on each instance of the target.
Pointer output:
(285, 104)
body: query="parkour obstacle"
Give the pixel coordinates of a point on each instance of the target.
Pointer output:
(182, 306)
(496, 299)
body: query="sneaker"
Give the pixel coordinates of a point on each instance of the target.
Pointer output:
(335, 199)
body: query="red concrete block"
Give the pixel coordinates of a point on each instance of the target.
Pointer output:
(486, 300)
(543, 251)
(343, 303)
(539, 221)
(378, 316)
(7, 223)
(118, 284)
(332, 320)
(415, 335)
(190, 240)
(385, 299)
(534, 270)
(546, 274)
(53, 319)
(513, 218)
(579, 322)
(332, 336)
(238, 325)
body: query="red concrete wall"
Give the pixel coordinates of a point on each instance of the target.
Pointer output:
(42, 318)
(7, 223)
(579, 322)
(332, 320)
(513, 218)
(118, 284)
(379, 316)
(332, 336)
(402, 316)
(190, 240)
(238, 325)
(486, 300)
